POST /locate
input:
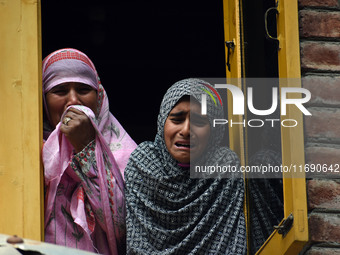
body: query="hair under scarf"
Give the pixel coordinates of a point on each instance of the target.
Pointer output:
(113, 147)
(170, 213)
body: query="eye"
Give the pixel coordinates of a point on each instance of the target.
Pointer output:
(58, 91)
(84, 89)
(199, 120)
(177, 120)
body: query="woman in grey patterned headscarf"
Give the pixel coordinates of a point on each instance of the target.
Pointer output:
(167, 211)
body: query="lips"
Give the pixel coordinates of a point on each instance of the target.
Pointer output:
(184, 144)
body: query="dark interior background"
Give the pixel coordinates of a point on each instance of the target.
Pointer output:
(139, 48)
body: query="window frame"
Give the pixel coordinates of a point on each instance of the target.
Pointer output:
(27, 144)
(21, 171)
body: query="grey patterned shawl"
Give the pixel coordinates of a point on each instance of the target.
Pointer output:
(170, 213)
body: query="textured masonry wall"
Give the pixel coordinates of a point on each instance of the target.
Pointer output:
(320, 63)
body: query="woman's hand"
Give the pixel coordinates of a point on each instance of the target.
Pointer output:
(78, 129)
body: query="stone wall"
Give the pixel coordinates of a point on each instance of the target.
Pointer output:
(320, 65)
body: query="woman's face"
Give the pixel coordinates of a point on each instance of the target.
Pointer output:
(186, 131)
(70, 93)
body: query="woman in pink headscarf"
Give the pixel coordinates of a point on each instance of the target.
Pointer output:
(84, 156)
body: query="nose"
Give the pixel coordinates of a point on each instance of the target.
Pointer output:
(72, 98)
(185, 130)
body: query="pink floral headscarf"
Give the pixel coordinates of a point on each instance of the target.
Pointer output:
(113, 147)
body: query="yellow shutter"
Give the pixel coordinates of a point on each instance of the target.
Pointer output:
(295, 201)
(292, 139)
(232, 33)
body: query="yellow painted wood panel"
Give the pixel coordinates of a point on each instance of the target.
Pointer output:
(21, 193)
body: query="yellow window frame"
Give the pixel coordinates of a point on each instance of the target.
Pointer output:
(292, 139)
(21, 175)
